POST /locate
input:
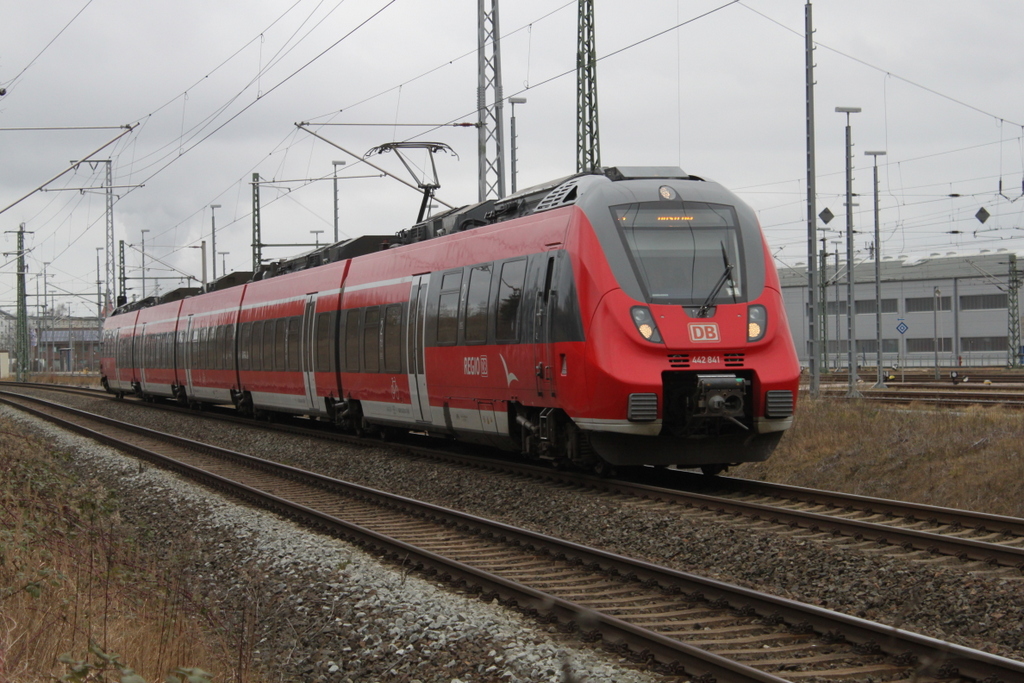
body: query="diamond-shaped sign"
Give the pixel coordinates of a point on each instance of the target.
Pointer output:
(982, 215)
(826, 216)
(902, 328)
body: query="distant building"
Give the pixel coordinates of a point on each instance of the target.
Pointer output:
(56, 344)
(962, 300)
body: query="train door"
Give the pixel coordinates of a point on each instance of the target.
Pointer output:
(543, 340)
(189, 348)
(415, 347)
(308, 353)
(142, 358)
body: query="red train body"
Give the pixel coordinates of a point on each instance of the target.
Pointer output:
(626, 318)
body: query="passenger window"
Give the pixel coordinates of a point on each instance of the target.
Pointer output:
(280, 344)
(268, 344)
(244, 341)
(352, 340)
(476, 304)
(220, 353)
(393, 338)
(510, 296)
(324, 337)
(256, 354)
(294, 343)
(229, 347)
(371, 340)
(448, 308)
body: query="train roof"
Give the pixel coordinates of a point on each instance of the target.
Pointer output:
(554, 194)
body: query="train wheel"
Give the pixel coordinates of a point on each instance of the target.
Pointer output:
(712, 470)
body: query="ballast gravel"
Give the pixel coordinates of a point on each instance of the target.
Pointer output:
(318, 609)
(970, 605)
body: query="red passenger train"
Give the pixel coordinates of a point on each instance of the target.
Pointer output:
(629, 317)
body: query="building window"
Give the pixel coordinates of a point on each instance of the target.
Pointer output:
(867, 306)
(927, 345)
(830, 307)
(983, 302)
(922, 304)
(969, 344)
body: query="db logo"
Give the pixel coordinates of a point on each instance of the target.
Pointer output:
(704, 332)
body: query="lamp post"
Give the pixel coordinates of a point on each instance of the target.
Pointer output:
(514, 101)
(223, 262)
(850, 317)
(336, 165)
(213, 237)
(880, 381)
(144, 231)
(935, 323)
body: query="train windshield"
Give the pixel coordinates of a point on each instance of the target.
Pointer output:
(682, 252)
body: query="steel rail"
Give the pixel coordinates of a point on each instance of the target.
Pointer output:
(964, 661)
(909, 539)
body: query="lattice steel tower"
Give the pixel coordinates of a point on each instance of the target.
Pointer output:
(490, 129)
(588, 144)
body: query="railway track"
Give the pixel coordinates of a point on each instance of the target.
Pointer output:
(978, 540)
(678, 623)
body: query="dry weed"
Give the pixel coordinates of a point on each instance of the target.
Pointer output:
(971, 458)
(73, 581)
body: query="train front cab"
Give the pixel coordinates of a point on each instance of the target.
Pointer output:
(689, 360)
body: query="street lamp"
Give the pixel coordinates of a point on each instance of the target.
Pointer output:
(880, 381)
(213, 237)
(514, 101)
(935, 323)
(850, 317)
(144, 231)
(336, 165)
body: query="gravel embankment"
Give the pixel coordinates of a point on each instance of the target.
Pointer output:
(318, 609)
(984, 610)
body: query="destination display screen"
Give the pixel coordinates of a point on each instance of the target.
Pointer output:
(679, 250)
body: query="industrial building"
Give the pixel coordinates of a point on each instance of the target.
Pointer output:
(56, 343)
(965, 306)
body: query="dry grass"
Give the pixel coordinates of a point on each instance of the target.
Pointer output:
(972, 459)
(72, 578)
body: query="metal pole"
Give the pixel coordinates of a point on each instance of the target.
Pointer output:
(880, 381)
(935, 322)
(213, 239)
(839, 343)
(515, 170)
(851, 359)
(202, 246)
(336, 165)
(144, 231)
(815, 349)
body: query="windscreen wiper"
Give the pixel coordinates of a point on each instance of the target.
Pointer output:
(702, 312)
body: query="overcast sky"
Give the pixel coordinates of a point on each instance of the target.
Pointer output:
(215, 89)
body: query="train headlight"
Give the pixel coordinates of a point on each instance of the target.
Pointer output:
(645, 324)
(757, 322)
